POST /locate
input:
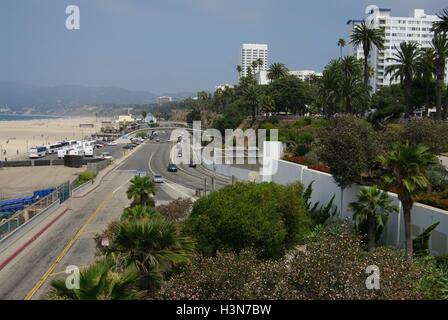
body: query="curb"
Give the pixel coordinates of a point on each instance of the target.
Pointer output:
(30, 241)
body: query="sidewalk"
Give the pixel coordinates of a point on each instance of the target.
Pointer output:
(20, 240)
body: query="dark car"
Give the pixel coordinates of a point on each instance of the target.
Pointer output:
(192, 164)
(128, 147)
(172, 167)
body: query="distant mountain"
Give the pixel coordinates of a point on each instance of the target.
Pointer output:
(58, 99)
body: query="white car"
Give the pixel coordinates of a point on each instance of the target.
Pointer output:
(106, 156)
(158, 178)
(113, 143)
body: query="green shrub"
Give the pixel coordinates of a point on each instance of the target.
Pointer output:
(84, 177)
(433, 134)
(331, 267)
(267, 217)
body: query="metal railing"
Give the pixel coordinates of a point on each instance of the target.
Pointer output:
(9, 225)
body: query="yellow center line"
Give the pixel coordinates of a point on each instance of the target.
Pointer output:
(50, 270)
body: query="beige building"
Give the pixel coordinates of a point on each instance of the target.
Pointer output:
(125, 119)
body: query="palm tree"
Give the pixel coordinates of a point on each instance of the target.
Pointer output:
(100, 281)
(254, 66)
(239, 69)
(406, 173)
(426, 71)
(250, 96)
(277, 71)
(329, 88)
(260, 63)
(153, 246)
(368, 38)
(341, 45)
(141, 191)
(266, 103)
(442, 25)
(138, 212)
(372, 207)
(144, 114)
(351, 85)
(405, 68)
(440, 46)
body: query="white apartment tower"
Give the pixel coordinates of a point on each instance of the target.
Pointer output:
(415, 28)
(251, 52)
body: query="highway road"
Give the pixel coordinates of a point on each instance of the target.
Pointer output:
(71, 229)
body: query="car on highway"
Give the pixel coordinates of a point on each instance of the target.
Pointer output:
(128, 146)
(158, 178)
(106, 156)
(192, 164)
(157, 140)
(113, 143)
(172, 167)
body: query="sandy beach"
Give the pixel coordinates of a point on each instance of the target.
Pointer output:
(16, 137)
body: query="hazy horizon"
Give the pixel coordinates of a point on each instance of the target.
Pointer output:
(170, 46)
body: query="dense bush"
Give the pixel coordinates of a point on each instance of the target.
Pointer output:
(175, 210)
(84, 177)
(226, 276)
(433, 134)
(267, 217)
(349, 147)
(332, 266)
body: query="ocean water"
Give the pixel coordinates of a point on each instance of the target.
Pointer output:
(21, 117)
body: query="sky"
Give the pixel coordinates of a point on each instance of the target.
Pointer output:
(171, 45)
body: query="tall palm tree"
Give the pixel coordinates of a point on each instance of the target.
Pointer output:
(329, 88)
(341, 45)
(152, 245)
(442, 25)
(100, 281)
(254, 66)
(266, 103)
(372, 207)
(440, 47)
(406, 172)
(367, 38)
(141, 191)
(277, 71)
(239, 69)
(426, 71)
(405, 67)
(351, 85)
(250, 96)
(260, 63)
(139, 212)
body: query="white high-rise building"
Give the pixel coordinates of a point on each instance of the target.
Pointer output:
(304, 75)
(415, 28)
(251, 52)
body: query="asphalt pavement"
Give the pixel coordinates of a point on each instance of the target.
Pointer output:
(67, 234)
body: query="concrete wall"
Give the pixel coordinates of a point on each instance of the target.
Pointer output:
(324, 188)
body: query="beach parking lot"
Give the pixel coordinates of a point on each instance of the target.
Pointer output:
(17, 182)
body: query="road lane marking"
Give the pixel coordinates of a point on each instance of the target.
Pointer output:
(69, 245)
(166, 183)
(116, 190)
(31, 240)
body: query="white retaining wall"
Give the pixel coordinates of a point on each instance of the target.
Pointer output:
(324, 188)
